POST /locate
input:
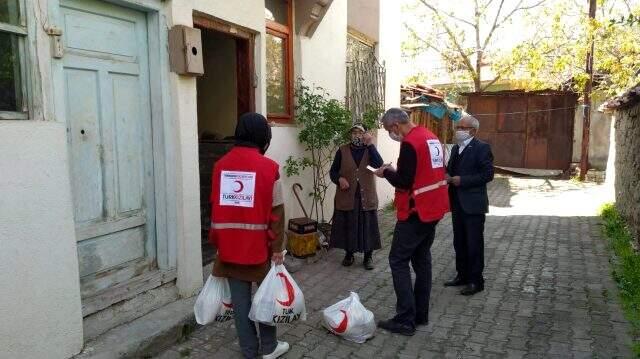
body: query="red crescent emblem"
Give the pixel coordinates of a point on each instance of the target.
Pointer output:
(241, 186)
(227, 305)
(342, 327)
(290, 292)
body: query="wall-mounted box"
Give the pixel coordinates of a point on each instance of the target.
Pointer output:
(185, 50)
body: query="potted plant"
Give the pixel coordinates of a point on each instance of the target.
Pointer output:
(324, 126)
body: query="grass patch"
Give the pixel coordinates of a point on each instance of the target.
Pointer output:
(626, 268)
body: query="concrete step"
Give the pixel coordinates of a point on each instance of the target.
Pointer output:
(145, 336)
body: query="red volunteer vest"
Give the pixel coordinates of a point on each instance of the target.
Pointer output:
(241, 203)
(431, 199)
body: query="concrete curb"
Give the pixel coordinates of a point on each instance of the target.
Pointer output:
(146, 336)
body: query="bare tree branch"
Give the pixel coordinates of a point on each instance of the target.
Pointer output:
(494, 26)
(453, 39)
(495, 79)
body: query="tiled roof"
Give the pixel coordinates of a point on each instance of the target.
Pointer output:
(629, 98)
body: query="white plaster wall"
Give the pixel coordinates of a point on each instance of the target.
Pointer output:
(364, 16)
(185, 117)
(389, 54)
(40, 306)
(321, 61)
(600, 129)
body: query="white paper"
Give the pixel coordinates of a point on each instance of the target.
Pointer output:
(436, 152)
(237, 188)
(371, 169)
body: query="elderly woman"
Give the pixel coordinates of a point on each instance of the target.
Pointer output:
(247, 224)
(355, 220)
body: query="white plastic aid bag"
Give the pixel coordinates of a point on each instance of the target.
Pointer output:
(350, 319)
(278, 299)
(214, 302)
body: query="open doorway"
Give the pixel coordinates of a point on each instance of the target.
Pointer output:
(225, 92)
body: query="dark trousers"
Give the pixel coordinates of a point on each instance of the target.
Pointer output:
(412, 240)
(246, 328)
(468, 241)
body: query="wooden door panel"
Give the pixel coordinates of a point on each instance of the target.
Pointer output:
(129, 142)
(111, 250)
(85, 140)
(96, 34)
(107, 91)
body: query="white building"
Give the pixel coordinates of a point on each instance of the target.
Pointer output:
(103, 149)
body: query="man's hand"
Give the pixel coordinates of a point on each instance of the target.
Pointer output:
(455, 180)
(278, 257)
(344, 184)
(380, 171)
(367, 138)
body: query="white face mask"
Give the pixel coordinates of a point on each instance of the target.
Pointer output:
(462, 136)
(397, 138)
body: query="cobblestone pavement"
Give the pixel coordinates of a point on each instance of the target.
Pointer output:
(549, 293)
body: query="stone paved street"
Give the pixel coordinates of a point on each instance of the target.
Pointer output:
(549, 293)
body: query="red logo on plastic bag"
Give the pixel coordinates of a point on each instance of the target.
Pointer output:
(291, 295)
(227, 305)
(342, 327)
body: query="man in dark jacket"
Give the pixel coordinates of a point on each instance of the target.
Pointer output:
(469, 170)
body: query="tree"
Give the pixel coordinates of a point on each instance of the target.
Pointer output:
(556, 53)
(465, 44)
(324, 125)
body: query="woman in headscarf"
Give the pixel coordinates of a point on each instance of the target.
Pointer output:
(247, 225)
(355, 220)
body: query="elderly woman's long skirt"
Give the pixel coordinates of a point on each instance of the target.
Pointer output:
(355, 230)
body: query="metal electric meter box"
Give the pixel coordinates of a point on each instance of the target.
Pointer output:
(185, 50)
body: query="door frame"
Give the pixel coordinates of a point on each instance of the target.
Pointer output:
(162, 143)
(209, 22)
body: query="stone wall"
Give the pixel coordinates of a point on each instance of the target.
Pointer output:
(627, 164)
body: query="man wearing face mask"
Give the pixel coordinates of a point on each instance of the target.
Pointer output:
(421, 201)
(469, 170)
(355, 219)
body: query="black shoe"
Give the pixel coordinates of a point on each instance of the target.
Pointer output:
(348, 260)
(455, 282)
(395, 327)
(422, 321)
(472, 289)
(368, 263)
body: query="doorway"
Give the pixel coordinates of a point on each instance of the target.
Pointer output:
(107, 100)
(225, 91)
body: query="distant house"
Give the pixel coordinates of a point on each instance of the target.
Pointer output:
(626, 114)
(107, 143)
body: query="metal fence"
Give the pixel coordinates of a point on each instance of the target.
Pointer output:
(365, 86)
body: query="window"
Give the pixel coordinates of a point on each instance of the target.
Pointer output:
(13, 32)
(279, 60)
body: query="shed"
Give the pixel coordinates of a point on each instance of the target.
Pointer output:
(427, 107)
(526, 129)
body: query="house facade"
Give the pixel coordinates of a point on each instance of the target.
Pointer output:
(106, 145)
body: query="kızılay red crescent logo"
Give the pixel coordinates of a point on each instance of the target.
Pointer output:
(227, 305)
(241, 186)
(291, 295)
(342, 327)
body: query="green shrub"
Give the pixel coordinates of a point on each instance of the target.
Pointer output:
(626, 268)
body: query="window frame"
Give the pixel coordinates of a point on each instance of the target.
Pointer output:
(284, 32)
(21, 33)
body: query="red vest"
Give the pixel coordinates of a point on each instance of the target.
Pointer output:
(241, 203)
(429, 192)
